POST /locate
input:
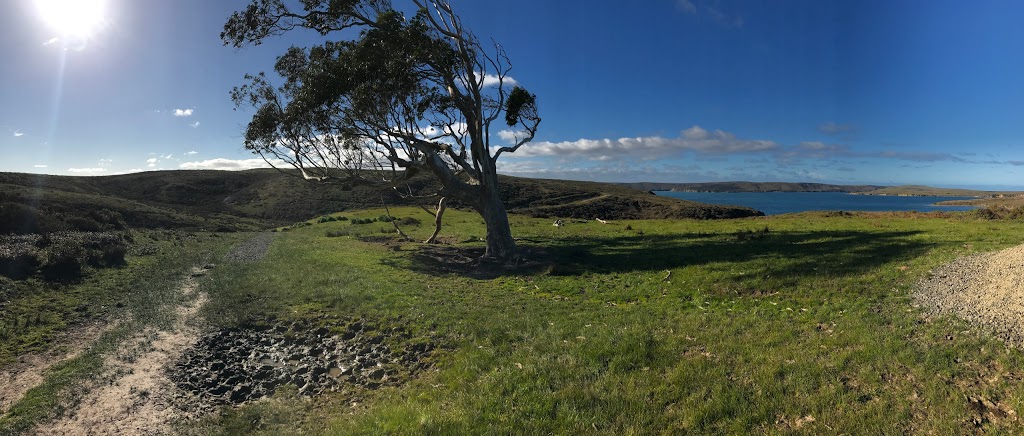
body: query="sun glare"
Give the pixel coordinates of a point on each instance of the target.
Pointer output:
(73, 18)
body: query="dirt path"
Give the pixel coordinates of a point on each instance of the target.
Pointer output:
(30, 369)
(134, 396)
(985, 289)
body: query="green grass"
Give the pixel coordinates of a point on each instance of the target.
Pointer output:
(642, 327)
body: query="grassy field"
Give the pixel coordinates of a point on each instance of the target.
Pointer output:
(788, 323)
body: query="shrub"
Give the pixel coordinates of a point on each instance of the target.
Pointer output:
(409, 221)
(110, 219)
(113, 255)
(19, 258)
(385, 218)
(65, 260)
(18, 219)
(84, 224)
(987, 213)
(335, 233)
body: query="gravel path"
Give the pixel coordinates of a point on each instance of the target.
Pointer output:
(984, 289)
(251, 251)
(135, 396)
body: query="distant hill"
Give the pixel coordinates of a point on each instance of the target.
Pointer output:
(254, 199)
(928, 191)
(750, 187)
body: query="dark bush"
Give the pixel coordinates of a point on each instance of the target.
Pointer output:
(385, 218)
(409, 221)
(112, 255)
(987, 213)
(335, 234)
(19, 259)
(65, 259)
(110, 219)
(83, 224)
(18, 219)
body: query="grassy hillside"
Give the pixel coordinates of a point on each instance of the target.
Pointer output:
(798, 323)
(249, 200)
(750, 187)
(928, 191)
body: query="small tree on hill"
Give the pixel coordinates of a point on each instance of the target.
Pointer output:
(397, 95)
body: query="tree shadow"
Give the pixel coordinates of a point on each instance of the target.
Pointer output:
(790, 253)
(841, 252)
(468, 261)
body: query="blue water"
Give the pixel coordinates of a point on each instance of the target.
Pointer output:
(774, 203)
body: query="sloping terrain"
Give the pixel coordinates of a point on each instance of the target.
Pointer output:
(750, 187)
(249, 200)
(928, 191)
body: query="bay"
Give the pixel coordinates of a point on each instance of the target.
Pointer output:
(774, 203)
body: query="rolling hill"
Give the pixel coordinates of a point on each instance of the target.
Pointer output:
(928, 191)
(749, 187)
(254, 199)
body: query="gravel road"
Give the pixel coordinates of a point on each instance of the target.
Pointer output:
(251, 251)
(984, 289)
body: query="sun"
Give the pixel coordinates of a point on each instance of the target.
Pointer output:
(73, 18)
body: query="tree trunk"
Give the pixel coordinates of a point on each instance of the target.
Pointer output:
(441, 205)
(500, 245)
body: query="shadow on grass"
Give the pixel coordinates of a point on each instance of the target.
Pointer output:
(468, 261)
(836, 253)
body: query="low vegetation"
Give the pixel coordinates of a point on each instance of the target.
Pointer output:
(257, 199)
(928, 191)
(798, 322)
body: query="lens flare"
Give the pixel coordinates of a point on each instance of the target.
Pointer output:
(73, 19)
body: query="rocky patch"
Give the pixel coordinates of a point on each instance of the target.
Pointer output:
(236, 365)
(983, 289)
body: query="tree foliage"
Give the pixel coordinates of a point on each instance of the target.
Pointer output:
(395, 94)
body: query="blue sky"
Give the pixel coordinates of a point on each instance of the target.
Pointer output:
(908, 92)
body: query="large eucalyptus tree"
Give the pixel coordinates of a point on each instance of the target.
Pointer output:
(388, 95)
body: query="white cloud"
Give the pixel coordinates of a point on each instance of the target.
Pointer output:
(687, 6)
(228, 164)
(51, 41)
(86, 170)
(195, 124)
(183, 112)
(40, 166)
(105, 162)
(166, 156)
(492, 80)
(18, 133)
(151, 162)
(509, 136)
(190, 153)
(695, 139)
